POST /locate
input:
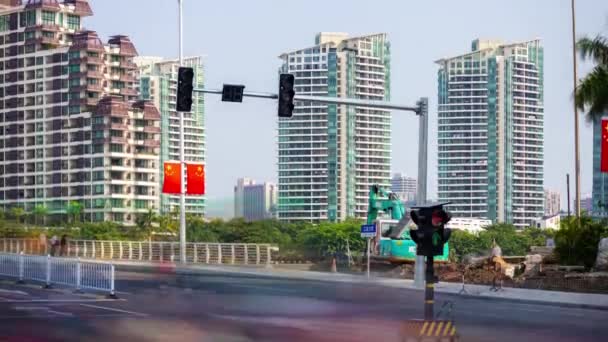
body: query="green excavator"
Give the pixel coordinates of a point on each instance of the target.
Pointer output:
(392, 242)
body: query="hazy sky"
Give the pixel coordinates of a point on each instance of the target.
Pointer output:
(241, 40)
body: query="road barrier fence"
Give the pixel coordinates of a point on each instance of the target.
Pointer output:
(203, 253)
(63, 271)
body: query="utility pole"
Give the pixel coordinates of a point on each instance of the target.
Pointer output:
(568, 192)
(577, 156)
(182, 196)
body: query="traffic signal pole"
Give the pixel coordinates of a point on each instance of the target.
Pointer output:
(182, 196)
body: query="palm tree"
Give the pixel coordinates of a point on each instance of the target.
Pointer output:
(146, 223)
(592, 92)
(74, 210)
(17, 213)
(40, 211)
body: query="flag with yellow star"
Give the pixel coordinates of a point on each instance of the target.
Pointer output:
(196, 179)
(604, 159)
(172, 178)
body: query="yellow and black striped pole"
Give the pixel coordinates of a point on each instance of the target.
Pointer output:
(429, 289)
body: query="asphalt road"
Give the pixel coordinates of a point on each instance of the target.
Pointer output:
(227, 307)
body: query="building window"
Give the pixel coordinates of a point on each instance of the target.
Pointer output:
(98, 175)
(73, 22)
(141, 204)
(48, 18)
(4, 20)
(28, 19)
(98, 189)
(116, 147)
(97, 162)
(99, 203)
(117, 203)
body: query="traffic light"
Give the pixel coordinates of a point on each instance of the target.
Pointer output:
(185, 80)
(431, 234)
(286, 95)
(422, 106)
(232, 93)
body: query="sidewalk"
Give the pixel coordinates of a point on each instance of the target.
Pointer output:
(556, 298)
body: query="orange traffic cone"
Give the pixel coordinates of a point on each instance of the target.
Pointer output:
(334, 269)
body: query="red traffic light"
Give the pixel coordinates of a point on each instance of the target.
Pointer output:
(439, 217)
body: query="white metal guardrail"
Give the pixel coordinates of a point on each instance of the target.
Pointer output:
(64, 271)
(204, 253)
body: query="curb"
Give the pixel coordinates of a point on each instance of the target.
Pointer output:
(531, 301)
(152, 268)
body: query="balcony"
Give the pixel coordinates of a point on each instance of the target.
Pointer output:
(128, 92)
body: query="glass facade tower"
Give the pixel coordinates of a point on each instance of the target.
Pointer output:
(490, 132)
(330, 155)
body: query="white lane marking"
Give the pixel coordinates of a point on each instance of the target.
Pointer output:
(43, 308)
(115, 310)
(14, 292)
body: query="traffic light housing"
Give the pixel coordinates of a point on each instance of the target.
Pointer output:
(232, 93)
(185, 87)
(431, 235)
(286, 95)
(422, 106)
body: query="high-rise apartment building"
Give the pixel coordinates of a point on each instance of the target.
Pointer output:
(599, 199)
(72, 127)
(405, 187)
(158, 84)
(239, 196)
(552, 202)
(259, 201)
(330, 155)
(491, 132)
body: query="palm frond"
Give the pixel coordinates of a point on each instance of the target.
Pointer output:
(596, 49)
(592, 93)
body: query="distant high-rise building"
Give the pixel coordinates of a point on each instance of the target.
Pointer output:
(330, 155)
(158, 83)
(405, 187)
(552, 202)
(73, 128)
(259, 201)
(239, 196)
(587, 204)
(600, 179)
(490, 140)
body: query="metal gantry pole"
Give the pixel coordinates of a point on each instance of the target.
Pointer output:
(577, 155)
(182, 196)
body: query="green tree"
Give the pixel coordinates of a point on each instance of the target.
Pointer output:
(168, 223)
(74, 210)
(101, 231)
(576, 241)
(146, 224)
(325, 239)
(17, 213)
(40, 212)
(198, 230)
(592, 92)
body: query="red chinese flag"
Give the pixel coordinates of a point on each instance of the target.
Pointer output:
(196, 179)
(604, 159)
(172, 183)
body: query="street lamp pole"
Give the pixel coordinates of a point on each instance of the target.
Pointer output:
(577, 155)
(182, 196)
